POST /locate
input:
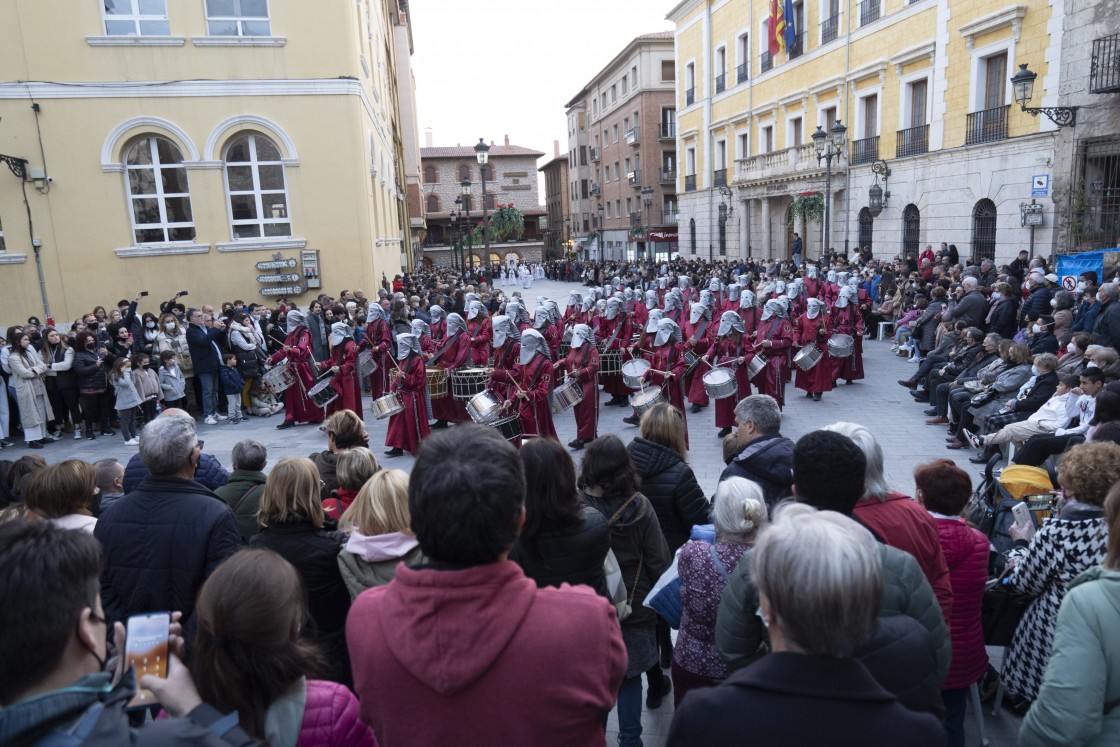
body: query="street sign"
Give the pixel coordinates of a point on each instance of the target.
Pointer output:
(1032, 219)
(282, 278)
(1040, 185)
(276, 264)
(1030, 207)
(282, 290)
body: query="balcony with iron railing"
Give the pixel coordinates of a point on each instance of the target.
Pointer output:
(912, 142)
(668, 130)
(635, 219)
(669, 217)
(986, 126)
(594, 154)
(668, 175)
(721, 83)
(1104, 70)
(830, 29)
(798, 47)
(869, 11)
(634, 177)
(690, 182)
(689, 96)
(780, 163)
(865, 150)
(719, 177)
(595, 188)
(634, 136)
(742, 73)
(767, 62)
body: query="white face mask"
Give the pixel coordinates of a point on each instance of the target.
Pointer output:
(1036, 329)
(1072, 347)
(1054, 303)
(170, 327)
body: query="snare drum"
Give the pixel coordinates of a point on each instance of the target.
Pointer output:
(322, 394)
(643, 401)
(568, 394)
(841, 346)
(808, 356)
(467, 382)
(754, 368)
(484, 407)
(610, 362)
(632, 372)
(691, 360)
(437, 382)
(387, 406)
(367, 366)
(509, 427)
(719, 383)
(279, 377)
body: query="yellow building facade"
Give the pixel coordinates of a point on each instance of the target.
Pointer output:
(174, 145)
(923, 90)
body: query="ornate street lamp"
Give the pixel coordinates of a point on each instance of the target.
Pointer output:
(828, 149)
(465, 185)
(482, 153)
(1022, 83)
(876, 197)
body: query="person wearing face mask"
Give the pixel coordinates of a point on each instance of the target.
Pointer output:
(28, 375)
(1086, 311)
(1037, 302)
(120, 343)
(814, 327)
(453, 355)
(699, 335)
(847, 320)
(409, 380)
(1074, 359)
(530, 386)
(62, 383)
(93, 385)
(1002, 311)
(582, 364)
(1042, 336)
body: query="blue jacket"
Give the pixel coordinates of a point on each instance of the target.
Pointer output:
(161, 542)
(203, 342)
(232, 380)
(1086, 317)
(210, 473)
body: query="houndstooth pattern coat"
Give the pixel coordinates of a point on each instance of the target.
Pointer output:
(1062, 549)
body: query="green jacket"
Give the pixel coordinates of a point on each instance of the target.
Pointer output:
(240, 481)
(1083, 676)
(741, 639)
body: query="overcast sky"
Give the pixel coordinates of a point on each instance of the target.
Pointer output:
(492, 68)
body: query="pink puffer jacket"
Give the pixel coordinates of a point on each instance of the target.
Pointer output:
(966, 554)
(331, 719)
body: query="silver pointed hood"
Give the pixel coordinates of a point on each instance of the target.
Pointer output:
(407, 343)
(581, 333)
(666, 329)
(814, 308)
(420, 328)
(532, 344)
(655, 316)
(651, 299)
(698, 312)
(504, 329)
(296, 319)
(455, 324)
(730, 320)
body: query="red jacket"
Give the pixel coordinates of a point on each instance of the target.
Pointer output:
(966, 553)
(330, 718)
(901, 522)
(481, 656)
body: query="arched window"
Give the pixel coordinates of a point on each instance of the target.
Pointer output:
(487, 172)
(433, 203)
(431, 175)
(258, 192)
(984, 230)
(866, 226)
(692, 235)
(158, 195)
(464, 171)
(911, 230)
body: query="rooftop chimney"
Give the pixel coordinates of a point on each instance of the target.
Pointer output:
(427, 137)
(507, 139)
(555, 148)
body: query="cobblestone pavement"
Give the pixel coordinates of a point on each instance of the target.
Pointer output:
(877, 402)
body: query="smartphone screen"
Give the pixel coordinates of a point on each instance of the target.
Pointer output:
(146, 650)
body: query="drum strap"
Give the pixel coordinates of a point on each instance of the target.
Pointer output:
(617, 328)
(447, 346)
(536, 374)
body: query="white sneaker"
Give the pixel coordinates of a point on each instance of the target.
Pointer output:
(219, 416)
(210, 420)
(77, 433)
(132, 442)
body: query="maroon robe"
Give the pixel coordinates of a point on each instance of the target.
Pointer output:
(535, 379)
(582, 364)
(439, 331)
(297, 406)
(552, 339)
(668, 358)
(694, 382)
(725, 352)
(345, 381)
(410, 426)
(640, 316)
(378, 342)
(812, 287)
(849, 321)
(481, 332)
(771, 380)
(456, 352)
(750, 318)
(615, 335)
(818, 379)
(505, 362)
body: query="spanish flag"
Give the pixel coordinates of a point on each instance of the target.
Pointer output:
(776, 28)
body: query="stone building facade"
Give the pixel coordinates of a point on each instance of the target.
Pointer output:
(558, 204)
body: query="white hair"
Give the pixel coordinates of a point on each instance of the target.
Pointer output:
(166, 443)
(739, 509)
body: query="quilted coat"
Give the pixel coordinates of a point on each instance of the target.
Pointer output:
(671, 487)
(966, 553)
(328, 718)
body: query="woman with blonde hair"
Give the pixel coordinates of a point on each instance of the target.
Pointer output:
(293, 525)
(739, 513)
(381, 537)
(65, 494)
(345, 430)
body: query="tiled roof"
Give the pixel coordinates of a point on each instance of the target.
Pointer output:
(467, 151)
(657, 35)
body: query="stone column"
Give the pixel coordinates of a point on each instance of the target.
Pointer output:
(765, 250)
(744, 227)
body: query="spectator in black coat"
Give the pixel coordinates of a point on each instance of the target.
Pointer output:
(293, 525)
(1038, 302)
(203, 339)
(1042, 338)
(562, 540)
(973, 307)
(765, 456)
(167, 536)
(1106, 330)
(1004, 311)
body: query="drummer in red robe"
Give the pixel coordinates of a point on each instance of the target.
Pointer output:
(518, 314)
(674, 307)
(812, 282)
(507, 349)
(732, 303)
(377, 340)
(575, 313)
(298, 408)
(409, 380)
(795, 292)
(773, 337)
(749, 311)
(481, 332)
(829, 289)
(423, 332)
(641, 310)
(731, 349)
(531, 385)
(667, 366)
(847, 320)
(439, 324)
(814, 328)
(698, 338)
(454, 355)
(556, 327)
(343, 363)
(542, 323)
(614, 332)
(582, 364)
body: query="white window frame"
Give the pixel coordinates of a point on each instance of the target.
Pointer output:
(159, 195)
(3, 242)
(824, 13)
(822, 122)
(906, 95)
(719, 62)
(743, 53)
(720, 154)
(239, 19)
(858, 132)
(690, 161)
(690, 82)
(634, 77)
(136, 18)
(263, 219)
(624, 86)
(978, 70)
(742, 144)
(790, 117)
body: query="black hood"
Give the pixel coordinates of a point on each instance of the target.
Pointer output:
(651, 458)
(769, 457)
